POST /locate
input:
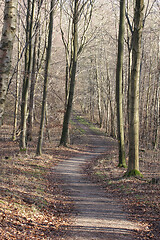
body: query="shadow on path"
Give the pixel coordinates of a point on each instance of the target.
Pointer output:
(97, 215)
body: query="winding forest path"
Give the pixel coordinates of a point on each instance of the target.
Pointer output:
(97, 214)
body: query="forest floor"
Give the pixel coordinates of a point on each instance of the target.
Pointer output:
(35, 205)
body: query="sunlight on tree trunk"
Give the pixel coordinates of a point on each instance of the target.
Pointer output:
(28, 60)
(17, 94)
(99, 93)
(44, 101)
(119, 90)
(157, 105)
(6, 49)
(64, 137)
(32, 90)
(133, 164)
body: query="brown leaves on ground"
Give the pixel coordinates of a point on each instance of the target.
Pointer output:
(32, 206)
(140, 196)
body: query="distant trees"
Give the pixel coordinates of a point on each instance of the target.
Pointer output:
(104, 49)
(6, 50)
(79, 11)
(85, 71)
(34, 50)
(97, 70)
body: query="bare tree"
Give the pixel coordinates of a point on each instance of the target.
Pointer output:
(133, 164)
(75, 48)
(119, 90)
(17, 87)
(44, 101)
(34, 72)
(27, 70)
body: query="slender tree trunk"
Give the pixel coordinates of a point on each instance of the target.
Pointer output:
(32, 90)
(157, 98)
(148, 100)
(44, 101)
(16, 107)
(113, 132)
(66, 81)
(6, 47)
(129, 82)
(64, 136)
(110, 107)
(47, 127)
(28, 59)
(14, 136)
(157, 110)
(99, 94)
(17, 94)
(119, 90)
(66, 45)
(129, 31)
(91, 96)
(133, 164)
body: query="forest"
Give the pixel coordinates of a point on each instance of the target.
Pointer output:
(69, 68)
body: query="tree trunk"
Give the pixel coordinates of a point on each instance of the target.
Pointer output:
(28, 59)
(32, 90)
(66, 45)
(17, 94)
(44, 101)
(14, 136)
(157, 110)
(98, 83)
(119, 91)
(6, 47)
(148, 99)
(47, 127)
(133, 164)
(113, 132)
(64, 136)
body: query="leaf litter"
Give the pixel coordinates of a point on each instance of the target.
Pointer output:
(32, 205)
(140, 196)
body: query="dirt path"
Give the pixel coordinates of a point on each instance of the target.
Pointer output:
(97, 215)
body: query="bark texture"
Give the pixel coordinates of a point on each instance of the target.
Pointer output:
(133, 164)
(32, 90)
(28, 60)
(119, 90)
(44, 101)
(64, 136)
(6, 49)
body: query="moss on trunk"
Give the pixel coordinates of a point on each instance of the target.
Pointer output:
(133, 173)
(122, 165)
